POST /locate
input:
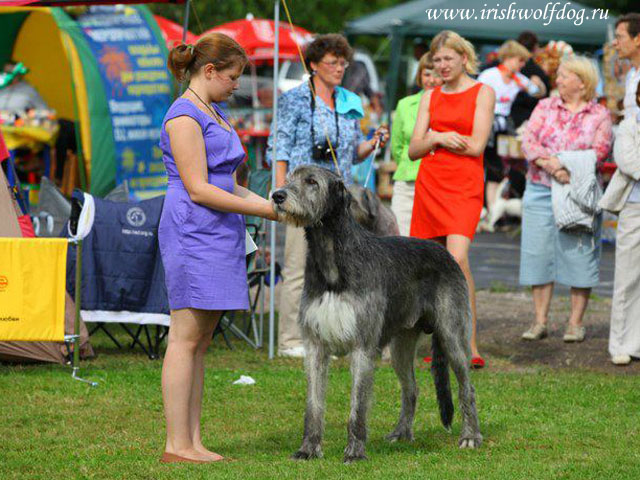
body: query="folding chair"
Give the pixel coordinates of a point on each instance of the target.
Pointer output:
(127, 279)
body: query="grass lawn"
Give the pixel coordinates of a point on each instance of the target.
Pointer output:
(537, 423)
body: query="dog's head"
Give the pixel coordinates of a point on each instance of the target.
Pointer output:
(310, 195)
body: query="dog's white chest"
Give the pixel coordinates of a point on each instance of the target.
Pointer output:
(332, 317)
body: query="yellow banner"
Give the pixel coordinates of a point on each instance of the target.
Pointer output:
(32, 289)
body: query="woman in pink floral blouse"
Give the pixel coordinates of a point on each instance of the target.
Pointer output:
(561, 125)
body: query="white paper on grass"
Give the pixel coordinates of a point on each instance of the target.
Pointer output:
(244, 380)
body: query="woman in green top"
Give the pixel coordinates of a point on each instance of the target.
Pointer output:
(402, 128)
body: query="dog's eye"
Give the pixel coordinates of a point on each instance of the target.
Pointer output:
(310, 181)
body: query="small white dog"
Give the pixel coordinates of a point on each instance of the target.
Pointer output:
(501, 207)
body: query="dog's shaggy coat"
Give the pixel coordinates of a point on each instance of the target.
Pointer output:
(362, 292)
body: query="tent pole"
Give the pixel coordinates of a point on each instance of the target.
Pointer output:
(185, 26)
(274, 133)
(76, 326)
(185, 23)
(78, 295)
(397, 39)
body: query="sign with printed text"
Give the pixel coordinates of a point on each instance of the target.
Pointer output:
(32, 289)
(138, 89)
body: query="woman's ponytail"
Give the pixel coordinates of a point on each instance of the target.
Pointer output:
(216, 48)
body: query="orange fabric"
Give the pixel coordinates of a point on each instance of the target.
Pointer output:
(512, 76)
(450, 187)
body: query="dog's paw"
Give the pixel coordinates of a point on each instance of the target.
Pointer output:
(354, 458)
(354, 453)
(470, 441)
(304, 454)
(400, 434)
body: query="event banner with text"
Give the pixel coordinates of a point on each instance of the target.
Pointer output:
(138, 91)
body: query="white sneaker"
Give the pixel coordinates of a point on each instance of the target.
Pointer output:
(294, 352)
(621, 359)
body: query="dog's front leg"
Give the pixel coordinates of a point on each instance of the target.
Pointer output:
(362, 368)
(317, 367)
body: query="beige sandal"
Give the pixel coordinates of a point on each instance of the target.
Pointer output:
(537, 331)
(574, 333)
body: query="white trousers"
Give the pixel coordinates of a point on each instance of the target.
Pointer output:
(624, 336)
(295, 255)
(402, 205)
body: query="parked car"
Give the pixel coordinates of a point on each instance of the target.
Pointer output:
(361, 77)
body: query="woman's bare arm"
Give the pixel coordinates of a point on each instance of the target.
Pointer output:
(187, 145)
(482, 121)
(422, 141)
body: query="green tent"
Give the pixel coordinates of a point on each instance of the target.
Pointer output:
(83, 80)
(483, 22)
(499, 23)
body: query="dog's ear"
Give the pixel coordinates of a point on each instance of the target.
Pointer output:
(340, 193)
(371, 203)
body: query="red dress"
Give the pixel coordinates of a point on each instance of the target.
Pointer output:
(450, 187)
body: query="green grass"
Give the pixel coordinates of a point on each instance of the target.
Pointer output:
(496, 286)
(537, 423)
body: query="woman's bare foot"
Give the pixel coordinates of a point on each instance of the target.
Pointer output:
(212, 456)
(192, 454)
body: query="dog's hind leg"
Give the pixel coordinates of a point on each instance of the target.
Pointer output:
(362, 370)
(403, 350)
(456, 346)
(317, 368)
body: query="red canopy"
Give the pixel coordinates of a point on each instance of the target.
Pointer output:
(172, 32)
(257, 37)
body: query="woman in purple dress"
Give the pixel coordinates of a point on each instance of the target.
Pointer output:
(202, 230)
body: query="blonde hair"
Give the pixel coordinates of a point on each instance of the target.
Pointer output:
(216, 48)
(511, 48)
(425, 62)
(449, 39)
(586, 71)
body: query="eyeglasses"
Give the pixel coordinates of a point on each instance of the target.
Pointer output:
(335, 63)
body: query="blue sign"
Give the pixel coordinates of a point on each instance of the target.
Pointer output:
(138, 90)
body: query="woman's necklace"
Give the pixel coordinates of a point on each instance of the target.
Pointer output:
(215, 114)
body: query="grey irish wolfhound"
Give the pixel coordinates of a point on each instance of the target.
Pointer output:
(362, 292)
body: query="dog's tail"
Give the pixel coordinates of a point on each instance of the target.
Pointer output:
(440, 372)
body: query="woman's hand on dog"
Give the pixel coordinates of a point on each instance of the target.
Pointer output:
(268, 211)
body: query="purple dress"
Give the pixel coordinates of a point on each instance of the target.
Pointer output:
(203, 250)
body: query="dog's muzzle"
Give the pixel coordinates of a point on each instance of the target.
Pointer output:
(279, 197)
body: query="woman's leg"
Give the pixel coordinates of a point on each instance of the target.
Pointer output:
(458, 246)
(179, 370)
(541, 301)
(198, 387)
(491, 191)
(579, 301)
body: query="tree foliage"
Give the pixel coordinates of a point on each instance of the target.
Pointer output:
(315, 15)
(321, 16)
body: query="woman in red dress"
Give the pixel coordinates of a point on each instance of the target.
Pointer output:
(453, 125)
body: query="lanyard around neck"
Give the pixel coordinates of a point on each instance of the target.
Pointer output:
(313, 110)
